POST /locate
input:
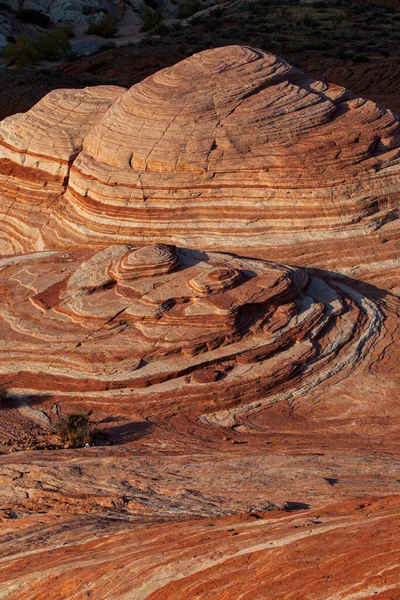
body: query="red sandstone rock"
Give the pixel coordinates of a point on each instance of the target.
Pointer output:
(178, 351)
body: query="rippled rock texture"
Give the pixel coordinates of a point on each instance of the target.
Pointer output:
(230, 149)
(236, 387)
(251, 406)
(123, 320)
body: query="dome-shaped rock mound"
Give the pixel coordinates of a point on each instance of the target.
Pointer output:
(231, 149)
(148, 242)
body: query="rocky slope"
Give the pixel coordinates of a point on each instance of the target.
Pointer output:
(31, 17)
(248, 407)
(287, 556)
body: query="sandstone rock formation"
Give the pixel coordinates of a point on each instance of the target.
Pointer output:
(134, 318)
(230, 149)
(235, 386)
(295, 555)
(248, 406)
(37, 150)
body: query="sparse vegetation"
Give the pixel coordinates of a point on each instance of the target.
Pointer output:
(330, 29)
(27, 51)
(75, 429)
(151, 19)
(105, 27)
(68, 29)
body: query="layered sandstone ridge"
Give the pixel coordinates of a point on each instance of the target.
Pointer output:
(36, 152)
(250, 406)
(232, 148)
(50, 136)
(123, 321)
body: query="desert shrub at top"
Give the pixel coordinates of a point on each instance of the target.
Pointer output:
(187, 8)
(22, 53)
(68, 29)
(54, 45)
(151, 19)
(26, 51)
(106, 27)
(75, 428)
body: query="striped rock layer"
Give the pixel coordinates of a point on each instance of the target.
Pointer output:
(239, 392)
(230, 149)
(253, 405)
(156, 321)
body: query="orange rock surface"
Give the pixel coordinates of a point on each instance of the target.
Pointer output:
(248, 407)
(318, 554)
(230, 386)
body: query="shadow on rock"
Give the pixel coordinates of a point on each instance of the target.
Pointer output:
(127, 432)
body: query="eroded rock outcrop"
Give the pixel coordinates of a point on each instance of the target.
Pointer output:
(230, 149)
(237, 390)
(235, 386)
(129, 319)
(36, 153)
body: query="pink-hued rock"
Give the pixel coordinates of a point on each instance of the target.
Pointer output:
(232, 389)
(37, 150)
(276, 392)
(250, 556)
(230, 149)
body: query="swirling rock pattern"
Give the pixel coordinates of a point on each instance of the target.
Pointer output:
(238, 388)
(230, 149)
(259, 388)
(127, 319)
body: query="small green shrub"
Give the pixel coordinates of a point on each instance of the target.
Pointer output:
(27, 51)
(162, 29)
(23, 53)
(151, 19)
(35, 17)
(106, 27)
(53, 45)
(75, 429)
(187, 8)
